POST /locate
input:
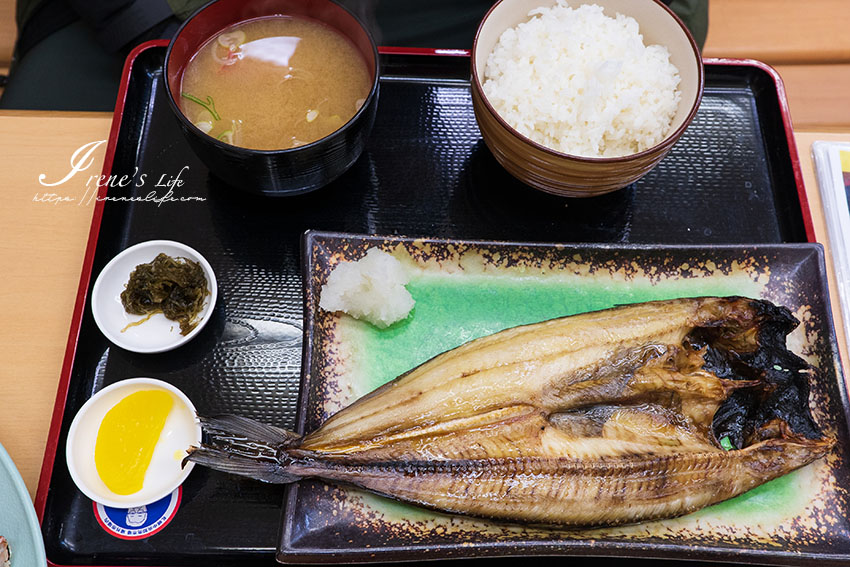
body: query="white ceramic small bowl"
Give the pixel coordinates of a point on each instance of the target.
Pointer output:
(157, 334)
(165, 473)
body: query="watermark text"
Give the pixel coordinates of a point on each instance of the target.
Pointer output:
(163, 188)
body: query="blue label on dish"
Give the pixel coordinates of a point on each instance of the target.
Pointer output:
(139, 522)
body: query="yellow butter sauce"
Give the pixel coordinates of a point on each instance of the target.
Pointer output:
(127, 437)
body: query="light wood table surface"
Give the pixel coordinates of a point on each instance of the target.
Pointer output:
(779, 31)
(41, 252)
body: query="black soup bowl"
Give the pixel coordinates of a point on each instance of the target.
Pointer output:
(273, 172)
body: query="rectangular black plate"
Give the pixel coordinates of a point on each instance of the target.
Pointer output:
(426, 171)
(801, 518)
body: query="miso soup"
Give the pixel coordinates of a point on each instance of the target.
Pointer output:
(274, 83)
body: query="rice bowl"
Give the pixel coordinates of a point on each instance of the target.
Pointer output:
(590, 86)
(571, 172)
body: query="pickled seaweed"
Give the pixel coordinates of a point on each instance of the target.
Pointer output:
(175, 287)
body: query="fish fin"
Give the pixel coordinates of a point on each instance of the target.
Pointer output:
(778, 428)
(271, 471)
(776, 450)
(730, 386)
(242, 446)
(225, 428)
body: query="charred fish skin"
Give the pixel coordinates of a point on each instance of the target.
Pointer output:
(603, 418)
(785, 395)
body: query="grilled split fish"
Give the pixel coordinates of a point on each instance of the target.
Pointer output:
(604, 418)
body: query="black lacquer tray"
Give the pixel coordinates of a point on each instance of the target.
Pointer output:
(733, 179)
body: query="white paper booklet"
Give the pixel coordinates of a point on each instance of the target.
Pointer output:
(832, 166)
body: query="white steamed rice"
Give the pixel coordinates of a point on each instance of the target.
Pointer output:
(582, 83)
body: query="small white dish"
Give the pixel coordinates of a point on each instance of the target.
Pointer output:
(157, 334)
(165, 472)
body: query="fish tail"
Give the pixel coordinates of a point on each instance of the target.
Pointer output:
(245, 447)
